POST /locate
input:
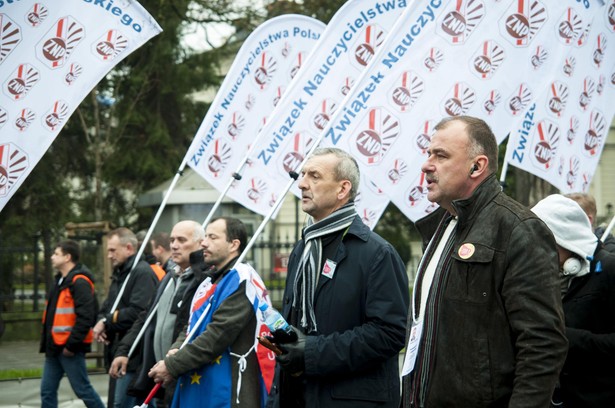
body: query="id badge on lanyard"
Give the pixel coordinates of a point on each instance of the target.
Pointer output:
(412, 348)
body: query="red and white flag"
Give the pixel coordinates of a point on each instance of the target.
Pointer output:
(267, 61)
(348, 45)
(563, 132)
(490, 59)
(52, 53)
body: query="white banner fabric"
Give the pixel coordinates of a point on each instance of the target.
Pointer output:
(348, 45)
(564, 131)
(489, 59)
(264, 66)
(52, 53)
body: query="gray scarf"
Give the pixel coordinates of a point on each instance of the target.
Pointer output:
(311, 262)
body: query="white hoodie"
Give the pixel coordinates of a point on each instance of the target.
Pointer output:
(570, 226)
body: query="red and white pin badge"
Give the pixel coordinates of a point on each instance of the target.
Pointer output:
(328, 269)
(466, 251)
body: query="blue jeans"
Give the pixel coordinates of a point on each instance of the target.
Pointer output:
(75, 370)
(121, 398)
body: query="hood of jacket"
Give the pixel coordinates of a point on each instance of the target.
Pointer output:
(569, 224)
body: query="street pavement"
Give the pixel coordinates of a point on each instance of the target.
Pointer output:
(25, 393)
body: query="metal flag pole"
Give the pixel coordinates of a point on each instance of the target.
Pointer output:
(188, 338)
(167, 194)
(608, 229)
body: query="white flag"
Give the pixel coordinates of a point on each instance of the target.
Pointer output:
(52, 53)
(347, 46)
(563, 133)
(267, 61)
(489, 59)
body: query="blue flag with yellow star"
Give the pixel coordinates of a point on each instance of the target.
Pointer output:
(210, 385)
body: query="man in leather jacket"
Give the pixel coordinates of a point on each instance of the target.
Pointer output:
(486, 325)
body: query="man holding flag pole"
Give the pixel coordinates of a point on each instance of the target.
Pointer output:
(153, 332)
(222, 366)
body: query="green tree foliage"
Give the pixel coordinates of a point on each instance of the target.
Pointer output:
(318, 9)
(396, 228)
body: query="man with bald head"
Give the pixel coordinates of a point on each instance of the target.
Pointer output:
(157, 338)
(486, 326)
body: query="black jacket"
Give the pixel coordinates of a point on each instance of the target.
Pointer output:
(135, 299)
(86, 308)
(588, 376)
(499, 327)
(609, 241)
(361, 315)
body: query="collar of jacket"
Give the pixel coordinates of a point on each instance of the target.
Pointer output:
(467, 209)
(126, 267)
(217, 274)
(359, 229)
(79, 269)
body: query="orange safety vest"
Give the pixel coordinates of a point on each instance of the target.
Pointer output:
(158, 271)
(65, 316)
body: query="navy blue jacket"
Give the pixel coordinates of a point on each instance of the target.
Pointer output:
(361, 316)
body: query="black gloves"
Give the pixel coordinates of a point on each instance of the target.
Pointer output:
(293, 358)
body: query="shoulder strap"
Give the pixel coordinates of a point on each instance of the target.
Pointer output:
(158, 271)
(82, 276)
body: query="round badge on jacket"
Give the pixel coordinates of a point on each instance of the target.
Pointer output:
(466, 250)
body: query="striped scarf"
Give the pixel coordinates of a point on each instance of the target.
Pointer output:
(424, 363)
(310, 263)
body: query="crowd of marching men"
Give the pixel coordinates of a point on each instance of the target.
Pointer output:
(511, 306)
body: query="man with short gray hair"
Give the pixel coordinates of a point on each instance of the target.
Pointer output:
(346, 298)
(113, 324)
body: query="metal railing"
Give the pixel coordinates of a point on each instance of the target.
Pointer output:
(23, 273)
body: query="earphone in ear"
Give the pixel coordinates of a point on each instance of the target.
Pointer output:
(572, 266)
(473, 169)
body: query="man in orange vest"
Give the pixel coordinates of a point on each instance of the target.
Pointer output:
(69, 316)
